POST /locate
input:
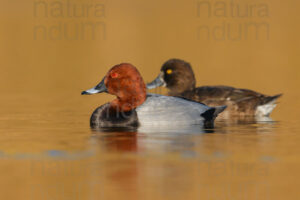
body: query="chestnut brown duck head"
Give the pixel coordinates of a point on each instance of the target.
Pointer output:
(178, 77)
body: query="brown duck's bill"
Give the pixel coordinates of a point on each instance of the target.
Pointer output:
(159, 81)
(98, 89)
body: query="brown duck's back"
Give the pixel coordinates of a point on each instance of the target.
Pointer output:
(240, 102)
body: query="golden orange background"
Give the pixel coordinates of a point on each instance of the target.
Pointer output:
(41, 80)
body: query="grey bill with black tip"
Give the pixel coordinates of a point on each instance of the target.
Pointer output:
(98, 89)
(159, 81)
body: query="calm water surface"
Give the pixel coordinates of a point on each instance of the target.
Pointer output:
(48, 151)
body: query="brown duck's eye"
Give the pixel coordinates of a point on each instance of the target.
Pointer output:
(114, 75)
(169, 71)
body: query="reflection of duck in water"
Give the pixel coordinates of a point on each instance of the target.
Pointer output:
(178, 76)
(246, 125)
(134, 108)
(119, 140)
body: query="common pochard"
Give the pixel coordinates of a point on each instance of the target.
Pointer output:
(133, 107)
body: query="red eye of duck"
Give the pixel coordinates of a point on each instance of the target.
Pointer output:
(114, 75)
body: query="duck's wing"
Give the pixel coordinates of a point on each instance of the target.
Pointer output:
(217, 93)
(225, 93)
(244, 99)
(166, 110)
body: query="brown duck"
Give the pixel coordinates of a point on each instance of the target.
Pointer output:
(178, 76)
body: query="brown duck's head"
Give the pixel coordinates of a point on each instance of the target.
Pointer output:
(125, 82)
(177, 75)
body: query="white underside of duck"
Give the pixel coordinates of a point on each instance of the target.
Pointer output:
(266, 109)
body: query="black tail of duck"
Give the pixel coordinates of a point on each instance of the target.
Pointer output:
(211, 114)
(271, 99)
